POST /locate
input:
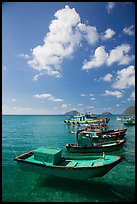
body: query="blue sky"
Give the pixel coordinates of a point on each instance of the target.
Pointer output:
(60, 56)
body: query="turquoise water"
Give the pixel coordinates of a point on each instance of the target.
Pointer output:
(24, 133)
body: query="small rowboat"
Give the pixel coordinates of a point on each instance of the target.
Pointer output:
(96, 147)
(49, 161)
(129, 122)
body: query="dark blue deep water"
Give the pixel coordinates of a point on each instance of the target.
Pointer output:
(24, 133)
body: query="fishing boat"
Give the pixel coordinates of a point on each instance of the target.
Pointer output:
(121, 118)
(96, 137)
(87, 118)
(49, 161)
(93, 146)
(130, 121)
(103, 129)
(97, 147)
(92, 155)
(115, 131)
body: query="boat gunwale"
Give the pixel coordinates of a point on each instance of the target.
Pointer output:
(83, 149)
(18, 159)
(115, 141)
(100, 135)
(112, 131)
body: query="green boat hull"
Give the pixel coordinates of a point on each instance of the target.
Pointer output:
(83, 140)
(95, 149)
(51, 162)
(129, 123)
(72, 173)
(92, 155)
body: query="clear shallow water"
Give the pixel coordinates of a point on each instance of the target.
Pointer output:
(23, 133)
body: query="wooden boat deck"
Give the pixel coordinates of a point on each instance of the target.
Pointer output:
(66, 163)
(74, 163)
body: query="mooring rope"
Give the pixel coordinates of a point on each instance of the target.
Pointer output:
(12, 148)
(13, 151)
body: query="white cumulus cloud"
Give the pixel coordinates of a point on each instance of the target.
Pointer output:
(89, 33)
(107, 77)
(130, 30)
(110, 6)
(25, 56)
(65, 35)
(92, 99)
(101, 57)
(82, 94)
(125, 78)
(50, 97)
(37, 76)
(132, 95)
(117, 94)
(120, 55)
(108, 34)
(59, 43)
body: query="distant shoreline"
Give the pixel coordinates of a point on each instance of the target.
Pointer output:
(59, 114)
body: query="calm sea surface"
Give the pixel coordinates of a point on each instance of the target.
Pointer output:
(24, 133)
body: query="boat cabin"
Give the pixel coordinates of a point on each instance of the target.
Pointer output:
(48, 155)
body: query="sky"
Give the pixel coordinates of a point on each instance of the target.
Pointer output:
(63, 56)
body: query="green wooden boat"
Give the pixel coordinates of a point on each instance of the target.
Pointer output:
(92, 155)
(49, 161)
(96, 147)
(96, 137)
(99, 131)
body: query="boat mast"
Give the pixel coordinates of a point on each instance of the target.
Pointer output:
(77, 137)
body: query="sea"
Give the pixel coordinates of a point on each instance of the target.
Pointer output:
(21, 133)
